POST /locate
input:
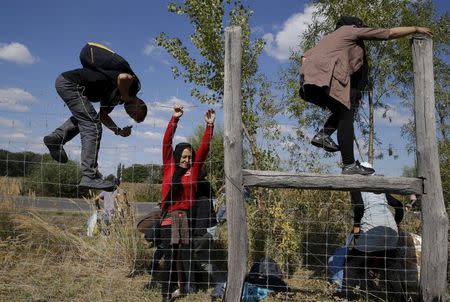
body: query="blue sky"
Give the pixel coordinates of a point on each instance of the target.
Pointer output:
(41, 39)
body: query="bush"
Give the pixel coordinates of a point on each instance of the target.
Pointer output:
(305, 225)
(139, 192)
(142, 174)
(55, 180)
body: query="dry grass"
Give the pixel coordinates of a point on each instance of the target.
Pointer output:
(46, 256)
(10, 186)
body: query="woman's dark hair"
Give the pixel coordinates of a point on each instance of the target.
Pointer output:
(349, 20)
(179, 151)
(179, 171)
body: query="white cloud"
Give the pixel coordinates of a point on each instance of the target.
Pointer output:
(167, 106)
(119, 113)
(17, 53)
(156, 52)
(155, 122)
(153, 151)
(10, 123)
(391, 117)
(150, 48)
(15, 99)
(281, 44)
(15, 136)
(292, 130)
(37, 147)
(149, 135)
(74, 153)
(180, 138)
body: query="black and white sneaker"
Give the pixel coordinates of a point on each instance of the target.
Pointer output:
(322, 140)
(55, 147)
(357, 168)
(96, 183)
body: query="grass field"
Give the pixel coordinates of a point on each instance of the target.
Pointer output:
(46, 256)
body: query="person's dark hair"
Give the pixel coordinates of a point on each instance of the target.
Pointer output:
(349, 20)
(179, 150)
(179, 171)
(137, 109)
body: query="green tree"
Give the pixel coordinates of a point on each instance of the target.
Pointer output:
(214, 164)
(205, 69)
(50, 178)
(119, 172)
(110, 177)
(20, 164)
(139, 173)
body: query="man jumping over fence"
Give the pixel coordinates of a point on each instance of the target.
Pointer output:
(105, 77)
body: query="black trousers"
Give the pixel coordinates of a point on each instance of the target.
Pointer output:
(341, 118)
(177, 264)
(204, 262)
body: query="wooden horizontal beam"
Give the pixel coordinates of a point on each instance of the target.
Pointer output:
(373, 183)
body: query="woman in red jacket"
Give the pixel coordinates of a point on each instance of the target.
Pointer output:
(181, 168)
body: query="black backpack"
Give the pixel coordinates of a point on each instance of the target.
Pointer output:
(266, 273)
(100, 58)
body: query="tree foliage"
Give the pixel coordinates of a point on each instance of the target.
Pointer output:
(138, 173)
(205, 69)
(214, 164)
(20, 164)
(53, 179)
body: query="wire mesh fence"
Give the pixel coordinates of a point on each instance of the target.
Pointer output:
(55, 240)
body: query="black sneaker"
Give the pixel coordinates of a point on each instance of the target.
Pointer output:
(96, 183)
(55, 147)
(324, 141)
(356, 168)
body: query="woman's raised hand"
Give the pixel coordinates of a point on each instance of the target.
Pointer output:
(210, 116)
(177, 111)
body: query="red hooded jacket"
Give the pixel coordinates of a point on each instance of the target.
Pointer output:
(185, 199)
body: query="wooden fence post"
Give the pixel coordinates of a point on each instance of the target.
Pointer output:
(236, 215)
(433, 271)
